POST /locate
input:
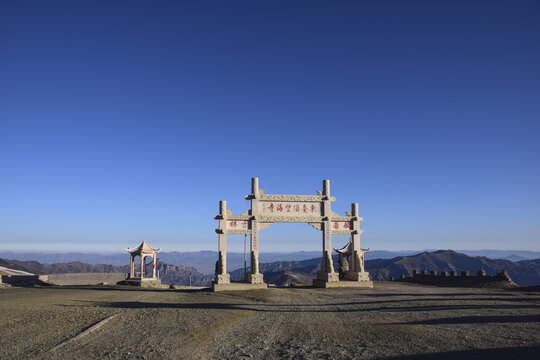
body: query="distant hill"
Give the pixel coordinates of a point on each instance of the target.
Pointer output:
(169, 274)
(525, 272)
(285, 272)
(203, 261)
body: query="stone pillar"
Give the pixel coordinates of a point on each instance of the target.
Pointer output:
(327, 272)
(154, 266)
(131, 267)
(254, 276)
(222, 277)
(142, 266)
(356, 272)
(255, 187)
(356, 264)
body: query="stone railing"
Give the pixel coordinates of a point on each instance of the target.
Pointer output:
(433, 276)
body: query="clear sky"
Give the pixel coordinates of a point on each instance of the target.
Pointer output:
(123, 121)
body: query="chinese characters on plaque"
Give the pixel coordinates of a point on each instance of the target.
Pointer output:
(340, 225)
(234, 224)
(289, 208)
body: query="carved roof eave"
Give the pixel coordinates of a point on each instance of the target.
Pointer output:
(289, 219)
(246, 215)
(239, 217)
(234, 231)
(305, 198)
(248, 231)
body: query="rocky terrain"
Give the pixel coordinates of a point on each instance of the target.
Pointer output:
(390, 321)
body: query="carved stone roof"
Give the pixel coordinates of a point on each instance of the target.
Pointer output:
(143, 248)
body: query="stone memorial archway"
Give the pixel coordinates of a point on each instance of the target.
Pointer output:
(316, 210)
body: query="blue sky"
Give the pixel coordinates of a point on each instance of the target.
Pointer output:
(123, 121)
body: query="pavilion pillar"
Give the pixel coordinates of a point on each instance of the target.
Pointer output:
(254, 276)
(222, 277)
(327, 273)
(142, 266)
(131, 267)
(154, 267)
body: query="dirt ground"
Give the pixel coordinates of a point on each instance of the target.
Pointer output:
(390, 321)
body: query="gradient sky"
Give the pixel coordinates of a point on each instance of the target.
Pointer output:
(123, 121)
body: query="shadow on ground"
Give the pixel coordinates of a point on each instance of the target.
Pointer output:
(322, 308)
(521, 353)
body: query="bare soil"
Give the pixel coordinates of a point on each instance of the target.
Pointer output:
(393, 320)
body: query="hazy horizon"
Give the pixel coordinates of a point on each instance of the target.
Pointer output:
(91, 251)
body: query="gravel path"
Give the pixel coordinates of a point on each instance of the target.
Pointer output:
(390, 321)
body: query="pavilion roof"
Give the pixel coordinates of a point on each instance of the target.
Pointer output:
(143, 248)
(347, 249)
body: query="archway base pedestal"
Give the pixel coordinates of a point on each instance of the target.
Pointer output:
(144, 282)
(241, 285)
(255, 278)
(342, 284)
(357, 276)
(223, 279)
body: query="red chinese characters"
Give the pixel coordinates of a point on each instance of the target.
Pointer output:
(296, 208)
(313, 207)
(279, 208)
(232, 224)
(288, 207)
(271, 207)
(347, 225)
(336, 225)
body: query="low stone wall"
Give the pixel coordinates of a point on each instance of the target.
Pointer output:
(20, 280)
(83, 278)
(453, 274)
(453, 278)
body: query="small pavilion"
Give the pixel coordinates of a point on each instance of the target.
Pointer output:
(345, 254)
(142, 250)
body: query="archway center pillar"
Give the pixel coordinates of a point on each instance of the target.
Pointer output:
(222, 277)
(327, 273)
(254, 276)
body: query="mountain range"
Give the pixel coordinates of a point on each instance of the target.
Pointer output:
(525, 272)
(169, 274)
(204, 261)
